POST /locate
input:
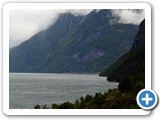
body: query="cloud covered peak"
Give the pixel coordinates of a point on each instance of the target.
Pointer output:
(24, 23)
(129, 16)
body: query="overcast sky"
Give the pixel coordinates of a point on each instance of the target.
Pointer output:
(24, 23)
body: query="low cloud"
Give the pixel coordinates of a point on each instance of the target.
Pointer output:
(24, 23)
(129, 16)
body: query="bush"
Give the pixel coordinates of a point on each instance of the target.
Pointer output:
(55, 106)
(89, 98)
(66, 105)
(37, 107)
(126, 84)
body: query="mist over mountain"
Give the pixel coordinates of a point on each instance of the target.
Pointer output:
(74, 44)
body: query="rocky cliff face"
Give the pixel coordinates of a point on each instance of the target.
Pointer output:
(139, 41)
(132, 63)
(80, 44)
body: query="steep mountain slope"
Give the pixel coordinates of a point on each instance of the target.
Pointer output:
(30, 54)
(129, 70)
(130, 64)
(80, 44)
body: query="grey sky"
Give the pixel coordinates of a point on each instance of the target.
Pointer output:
(25, 23)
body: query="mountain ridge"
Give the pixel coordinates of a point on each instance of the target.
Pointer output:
(80, 44)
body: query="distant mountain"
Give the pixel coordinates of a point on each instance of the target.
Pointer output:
(132, 64)
(74, 44)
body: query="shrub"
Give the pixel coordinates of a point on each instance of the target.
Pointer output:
(126, 84)
(37, 107)
(55, 106)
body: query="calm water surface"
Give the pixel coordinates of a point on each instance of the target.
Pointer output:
(29, 89)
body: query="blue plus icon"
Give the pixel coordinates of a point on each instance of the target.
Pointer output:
(147, 99)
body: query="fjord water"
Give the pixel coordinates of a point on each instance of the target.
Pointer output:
(29, 89)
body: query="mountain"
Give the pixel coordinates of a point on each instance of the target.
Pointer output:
(132, 64)
(129, 71)
(74, 44)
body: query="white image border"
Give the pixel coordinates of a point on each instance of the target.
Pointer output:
(9, 6)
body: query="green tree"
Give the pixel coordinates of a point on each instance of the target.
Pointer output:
(37, 107)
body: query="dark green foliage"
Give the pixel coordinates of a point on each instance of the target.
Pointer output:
(55, 106)
(81, 44)
(132, 83)
(113, 99)
(89, 98)
(37, 107)
(66, 105)
(126, 85)
(45, 107)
